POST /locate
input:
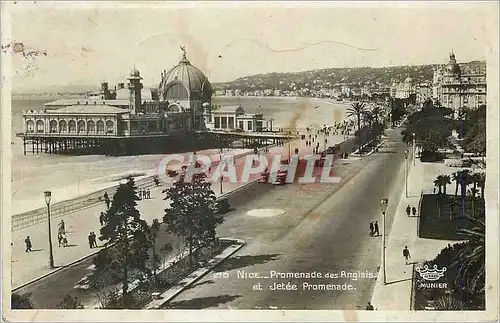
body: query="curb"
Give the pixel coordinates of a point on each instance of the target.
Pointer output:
(58, 269)
(180, 287)
(356, 153)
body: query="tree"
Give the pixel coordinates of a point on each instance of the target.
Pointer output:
(445, 181)
(471, 259)
(448, 302)
(21, 301)
(127, 236)
(70, 302)
(357, 110)
(437, 183)
(481, 181)
(192, 212)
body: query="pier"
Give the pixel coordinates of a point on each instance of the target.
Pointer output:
(116, 145)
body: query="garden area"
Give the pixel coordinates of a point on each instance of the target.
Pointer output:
(442, 214)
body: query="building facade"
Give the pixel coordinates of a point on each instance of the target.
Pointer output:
(456, 90)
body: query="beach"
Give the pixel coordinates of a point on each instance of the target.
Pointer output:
(72, 176)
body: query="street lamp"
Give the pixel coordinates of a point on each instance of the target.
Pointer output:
(48, 197)
(413, 149)
(406, 172)
(383, 207)
(220, 167)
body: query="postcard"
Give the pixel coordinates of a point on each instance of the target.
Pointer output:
(249, 161)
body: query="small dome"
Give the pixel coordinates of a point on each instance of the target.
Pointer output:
(453, 67)
(134, 72)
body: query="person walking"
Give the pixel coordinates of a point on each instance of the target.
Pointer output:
(408, 210)
(62, 226)
(369, 307)
(406, 254)
(94, 239)
(91, 244)
(59, 239)
(28, 244)
(414, 211)
(106, 199)
(101, 219)
(371, 229)
(376, 232)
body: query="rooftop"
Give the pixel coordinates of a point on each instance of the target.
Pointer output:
(88, 108)
(67, 102)
(230, 109)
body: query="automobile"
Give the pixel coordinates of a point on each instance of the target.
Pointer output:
(281, 177)
(264, 177)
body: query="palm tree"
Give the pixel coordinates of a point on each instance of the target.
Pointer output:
(456, 178)
(356, 110)
(448, 302)
(471, 259)
(437, 183)
(446, 179)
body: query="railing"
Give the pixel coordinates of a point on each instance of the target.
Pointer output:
(57, 210)
(419, 210)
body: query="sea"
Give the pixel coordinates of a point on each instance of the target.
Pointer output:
(72, 176)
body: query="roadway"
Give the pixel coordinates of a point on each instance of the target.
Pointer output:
(319, 232)
(313, 236)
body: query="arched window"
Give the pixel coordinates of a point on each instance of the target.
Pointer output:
(63, 126)
(30, 126)
(176, 91)
(110, 126)
(81, 126)
(72, 126)
(53, 126)
(91, 126)
(100, 126)
(39, 126)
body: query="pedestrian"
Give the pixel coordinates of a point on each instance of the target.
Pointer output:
(62, 227)
(106, 199)
(414, 211)
(408, 210)
(369, 307)
(101, 218)
(65, 241)
(91, 244)
(376, 232)
(371, 229)
(406, 254)
(27, 242)
(59, 239)
(94, 240)
(149, 194)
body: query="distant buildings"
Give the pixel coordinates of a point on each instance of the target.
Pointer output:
(456, 90)
(403, 90)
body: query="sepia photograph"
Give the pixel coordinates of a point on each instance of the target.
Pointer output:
(249, 161)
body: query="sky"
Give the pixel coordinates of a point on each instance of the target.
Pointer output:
(87, 44)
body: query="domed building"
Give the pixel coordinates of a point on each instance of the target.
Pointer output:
(455, 89)
(186, 89)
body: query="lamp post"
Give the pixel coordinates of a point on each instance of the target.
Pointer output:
(406, 172)
(383, 208)
(48, 197)
(220, 167)
(413, 149)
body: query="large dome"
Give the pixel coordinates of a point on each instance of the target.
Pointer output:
(192, 79)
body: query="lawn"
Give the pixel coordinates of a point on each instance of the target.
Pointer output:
(440, 215)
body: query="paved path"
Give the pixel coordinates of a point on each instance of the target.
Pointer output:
(29, 266)
(396, 294)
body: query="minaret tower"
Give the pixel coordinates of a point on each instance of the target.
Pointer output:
(135, 87)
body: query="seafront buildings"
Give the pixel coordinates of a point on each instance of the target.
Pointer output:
(456, 90)
(125, 119)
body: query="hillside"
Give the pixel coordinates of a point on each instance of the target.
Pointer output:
(358, 76)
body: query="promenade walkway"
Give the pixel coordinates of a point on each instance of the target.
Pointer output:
(396, 295)
(28, 266)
